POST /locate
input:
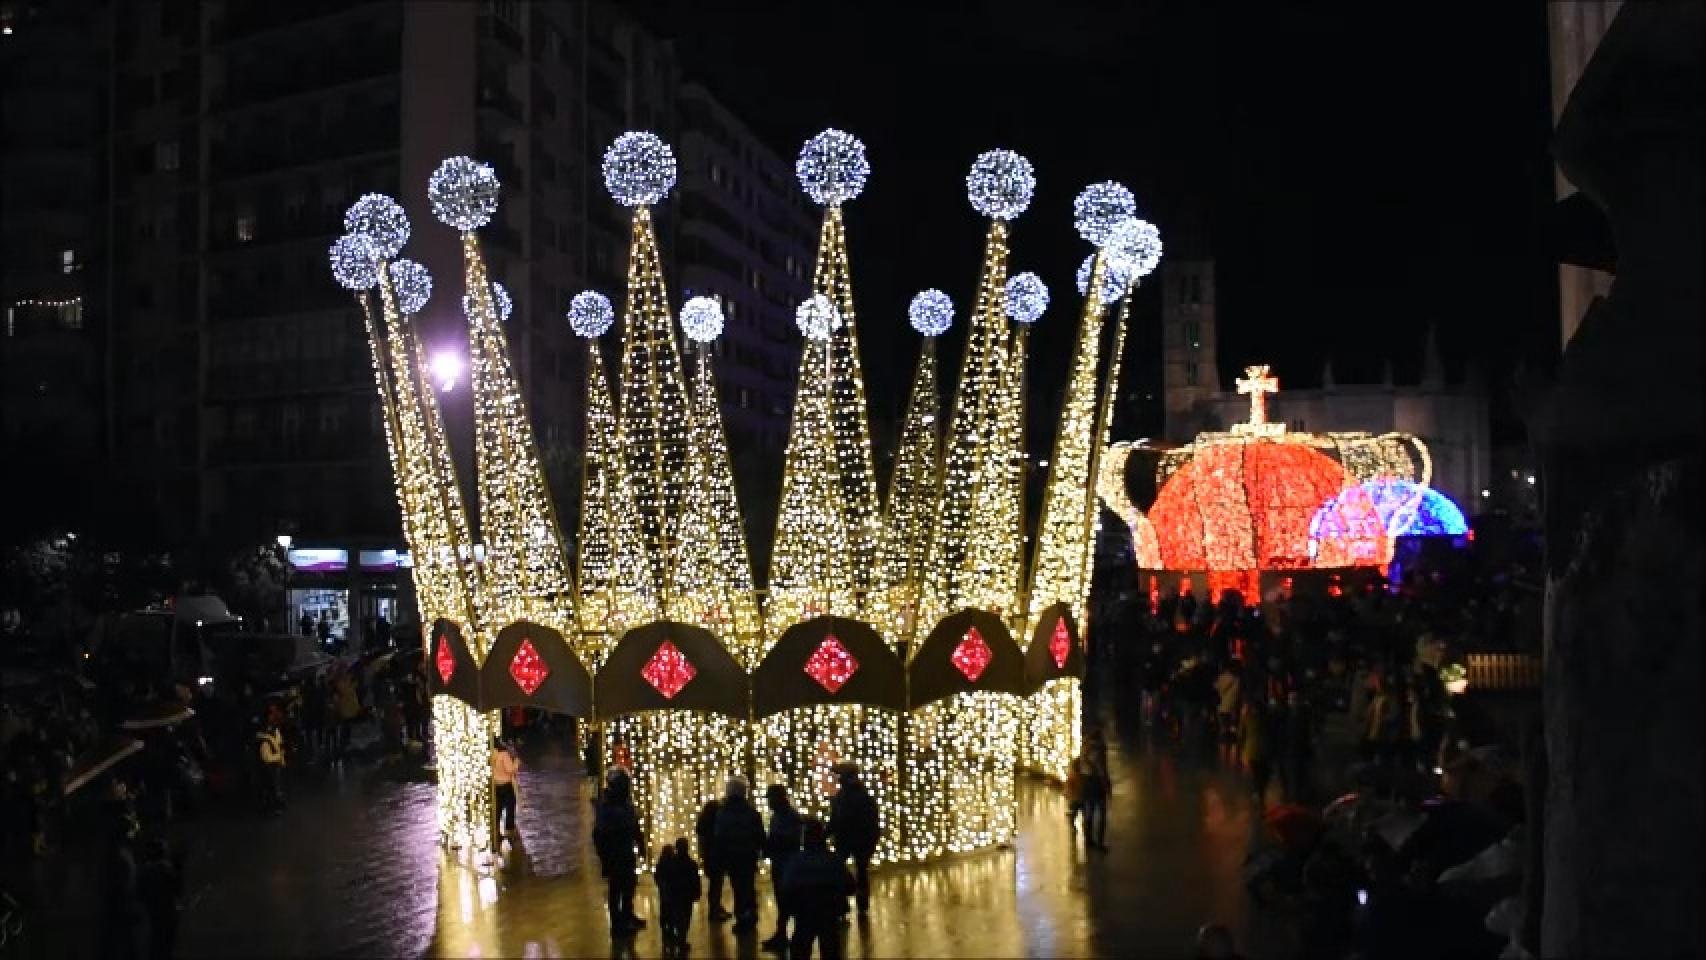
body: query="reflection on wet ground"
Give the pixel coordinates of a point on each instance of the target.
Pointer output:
(352, 869)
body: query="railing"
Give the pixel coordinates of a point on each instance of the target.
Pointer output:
(1504, 671)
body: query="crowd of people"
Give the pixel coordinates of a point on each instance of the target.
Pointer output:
(1374, 784)
(105, 763)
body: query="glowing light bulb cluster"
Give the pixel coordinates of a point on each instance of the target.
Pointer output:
(413, 284)
(639, 169)
(1000, 184)
(1099, 207)
(463, 193)
(1027, 297)
(380, 219)
(500, 299)
(1135, 245)
(817, 317)
(355, 262)
(832, 168)
(702, 319)
(931, 312)
(1116, 278)
(590, 314)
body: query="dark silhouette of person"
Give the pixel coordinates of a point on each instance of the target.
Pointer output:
(855, 825)
(705, 828)
(617, 841)
(781, 845)
(816, 887)
(739, 842)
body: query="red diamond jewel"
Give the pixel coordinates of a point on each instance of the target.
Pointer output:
(445, 660)
(972, 656)
(831, 665)
(1060, 644)
(668, 670)
(528, 667)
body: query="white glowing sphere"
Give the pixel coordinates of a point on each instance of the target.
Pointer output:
(832, 167)
(463, 193)
(1099, 207)
(413, 285)
(818, 317)
(355, 261)
(382, 220)
(1116, 278)
(1000, 184)
(931, 312)
(1027, 297)
(590, 314)
(639, 169)
(500, 299)
(1136, 244)
(702, 319)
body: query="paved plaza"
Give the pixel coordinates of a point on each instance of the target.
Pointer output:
(352, 869)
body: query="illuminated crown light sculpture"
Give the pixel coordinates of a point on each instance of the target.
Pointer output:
(1236, 505)
(877, 645)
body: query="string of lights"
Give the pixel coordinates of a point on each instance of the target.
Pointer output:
(652, 421)
(616, 589)
(525, 568)
(961, 569)
(911, 497)
(713, 575)
(436, 529)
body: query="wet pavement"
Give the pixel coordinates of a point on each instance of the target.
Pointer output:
(352, 869)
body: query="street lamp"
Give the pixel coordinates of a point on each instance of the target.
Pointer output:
(446, 367)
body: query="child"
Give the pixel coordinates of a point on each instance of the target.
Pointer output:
(678, 890)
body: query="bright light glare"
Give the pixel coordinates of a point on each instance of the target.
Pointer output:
(446, 367)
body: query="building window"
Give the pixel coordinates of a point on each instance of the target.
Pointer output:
(71, 314)
(166, 156)
(1191, 374)
(68, 260)
(245, 226)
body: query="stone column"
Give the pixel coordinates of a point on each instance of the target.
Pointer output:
(1620, 446)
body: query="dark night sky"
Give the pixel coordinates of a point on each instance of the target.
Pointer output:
(1357, 171)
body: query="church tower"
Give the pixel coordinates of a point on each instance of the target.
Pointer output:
(1189, 376)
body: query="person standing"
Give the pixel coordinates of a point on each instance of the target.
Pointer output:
(678, 889)
(505, 765)
(855, 824)
(816, 888)
(739, 842)
(617, 841)
(781, 845)
(347, 703)
(1092, 767)
(705, 828)
(269, 741)
(1227, 688)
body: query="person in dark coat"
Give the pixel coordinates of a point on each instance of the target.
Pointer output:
(816, 888)
(616, 838)
(678, 890)
(739, 842)
(855, 825)
(781, 844)
(159, 885)
(706, 830)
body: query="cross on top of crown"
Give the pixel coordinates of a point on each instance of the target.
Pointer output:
(1258, 382)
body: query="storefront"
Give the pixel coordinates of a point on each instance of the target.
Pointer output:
(348, 607)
